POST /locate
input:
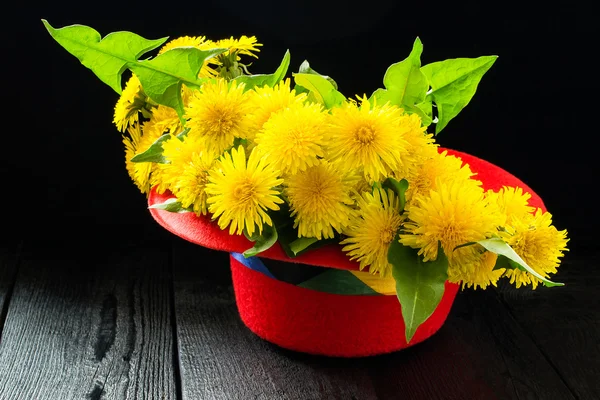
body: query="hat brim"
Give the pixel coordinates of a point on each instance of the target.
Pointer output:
(202, 231)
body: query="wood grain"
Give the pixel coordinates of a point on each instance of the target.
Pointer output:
(89, 324)
(9, 258)
(564, 322)
(97, 323)
(221, 359)
(480, 353)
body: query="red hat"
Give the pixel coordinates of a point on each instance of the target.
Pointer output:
(282, 310)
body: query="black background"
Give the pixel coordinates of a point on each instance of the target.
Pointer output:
(534, 113)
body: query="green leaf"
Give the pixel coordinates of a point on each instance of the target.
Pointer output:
(505, 263)
(271, 80)
(107, 57)
(299, 89)
(181, 135)
(285, 227)
(405, 84)
(141, 103)
(238, 141)
(398, 187)
(424, 111)
(263, 241)
(382, 96)
(286, 236)
(171, 205)
(281, 71)
(453, 84)
(162, 76)
(500, 247)
(154, 152)
(306, 69)
(338, 281)
(419, 285)
(301, 244)
(321, 88)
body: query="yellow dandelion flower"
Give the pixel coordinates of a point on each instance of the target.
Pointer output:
(247, 45)
(178, 152)
(512, 202)
(141, 138)
(240, 193)
(126, 109)
(218, 114)
(361, 184)
(133, 100)
(178, 155)
(477, 273)
(539, 244)
(165, 175)
(454, 214)
(183, 41)
(421, 145)
(293, 138)
(368, 136)
(320, 201)
(268, 100)
(440, 167)
(190, 187)
(226, 64)
(131, 143)
(372, 231)
(158, 180)
(166, 120)
(186, 173)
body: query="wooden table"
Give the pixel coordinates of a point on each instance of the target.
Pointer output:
(157, 320)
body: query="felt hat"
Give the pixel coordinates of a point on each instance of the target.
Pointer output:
(319, 302)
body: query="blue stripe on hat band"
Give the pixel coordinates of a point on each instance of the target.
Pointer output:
(253, 263)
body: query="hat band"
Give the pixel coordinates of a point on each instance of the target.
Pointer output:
(322, 279)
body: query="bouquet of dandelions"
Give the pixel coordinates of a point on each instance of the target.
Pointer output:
(295, 161)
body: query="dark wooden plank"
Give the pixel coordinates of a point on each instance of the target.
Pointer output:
(9, 258)
(221, 359)
(89, 323)
(480, 353)
(565, 322)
